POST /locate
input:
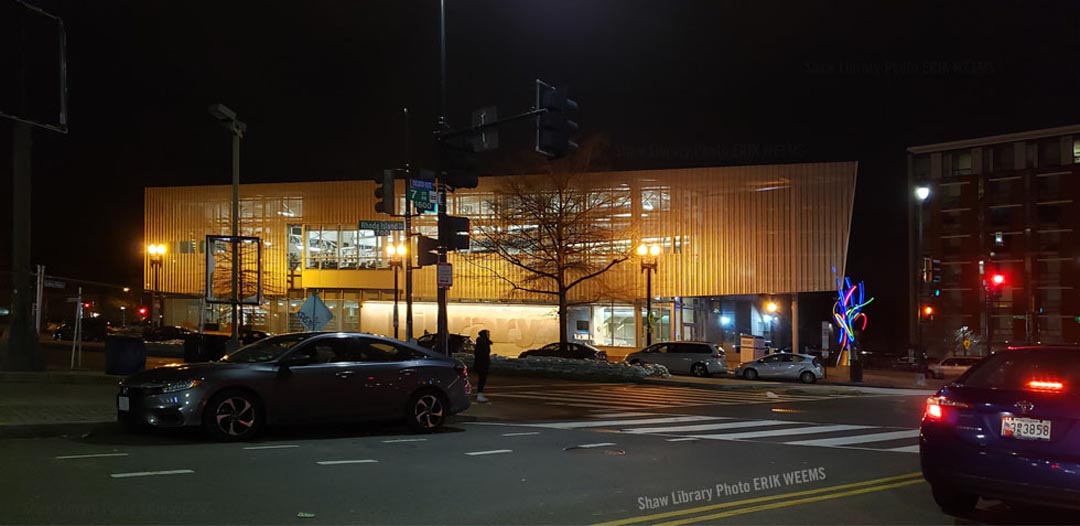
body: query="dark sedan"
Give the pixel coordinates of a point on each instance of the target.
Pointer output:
(1007, 429)
(577, 351)
(301, 377)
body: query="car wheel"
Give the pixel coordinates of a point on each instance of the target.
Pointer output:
(750, 374)
(427, 411)
(699, 370)
(954, 502)
(807, 377)
(233, 415)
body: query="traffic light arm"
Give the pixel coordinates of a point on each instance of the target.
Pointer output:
(448, 134)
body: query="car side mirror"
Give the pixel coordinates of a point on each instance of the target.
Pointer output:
(294, 360)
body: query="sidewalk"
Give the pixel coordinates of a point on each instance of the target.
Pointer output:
(836, 376)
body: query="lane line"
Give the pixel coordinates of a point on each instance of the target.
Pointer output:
(683, 439)
(591, 446)
(336, 462)
(97, 455)
(857, 439)
(711, 427)
(526, 434)
(913, 477)
(150, 473)
(286, 446)
(796, 502)
(905, 449)
(399, 440)
(782, 432)
(491, 452)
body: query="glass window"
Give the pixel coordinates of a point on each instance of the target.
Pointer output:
(922, 166)
(771, 359)
(1013, 370)
(1076, 150)
(367, 350)
(1049, 214)
(1003, 157)
(1049, 241)
(266, 350)
(613, 326)
(960, 162)
(1050, 152)
(1001, 217)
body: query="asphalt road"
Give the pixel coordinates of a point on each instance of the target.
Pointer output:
(542, 452)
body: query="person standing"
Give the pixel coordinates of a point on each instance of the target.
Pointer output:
(481, 362)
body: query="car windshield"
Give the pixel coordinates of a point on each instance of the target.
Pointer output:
(1014, 371)
(266, 350)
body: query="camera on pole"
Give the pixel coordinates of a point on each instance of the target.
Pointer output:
(386, 202)
(555, 127)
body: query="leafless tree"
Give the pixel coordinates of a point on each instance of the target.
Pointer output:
(557, 230)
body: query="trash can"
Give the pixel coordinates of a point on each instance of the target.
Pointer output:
(124, 355)
(204, 347)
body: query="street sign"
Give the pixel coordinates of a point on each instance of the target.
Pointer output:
(383, 228)
(488, 139)
(313, 314)
(445, 275)
(55, 284)
(423, 195)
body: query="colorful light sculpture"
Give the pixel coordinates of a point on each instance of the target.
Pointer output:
(847, 312)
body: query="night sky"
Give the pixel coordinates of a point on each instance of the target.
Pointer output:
(671, 84)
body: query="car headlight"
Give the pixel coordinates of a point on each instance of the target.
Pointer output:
(180, 386)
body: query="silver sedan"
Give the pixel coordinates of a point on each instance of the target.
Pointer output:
(302, 377)
(804, 367)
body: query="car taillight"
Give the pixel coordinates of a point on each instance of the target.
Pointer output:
(462, 370)
(935, 406)
(1050, 386)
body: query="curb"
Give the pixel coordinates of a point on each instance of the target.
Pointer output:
(59, 378)
(49, 430)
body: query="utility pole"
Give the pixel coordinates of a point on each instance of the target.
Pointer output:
(408, 231)
(440, 186)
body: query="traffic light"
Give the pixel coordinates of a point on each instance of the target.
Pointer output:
(427, 251)
(994, 283)
(928, 312)
(454, 232)
(460, 167)
(556, 126)
(142, 311)
(87, 305)
(386, 202)
(997, 280)
(935, 270)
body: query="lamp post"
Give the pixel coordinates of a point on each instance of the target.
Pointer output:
(157, 257)
(922, 193)
(648, 255)
(397, 258)
(237, 128)
(123, 317)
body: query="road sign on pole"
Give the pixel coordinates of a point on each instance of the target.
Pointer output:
(383, 228)
(445, 275)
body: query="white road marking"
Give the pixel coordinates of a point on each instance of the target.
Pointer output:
(336, 462)
(809, 430)
(150, 473)
(98, 455)
(526, 434)
(619, 415)
(601, 406)
(709, 427)
(397, 440)
(857, 439)
(643, 421)
(905, 449)
(683, 439)
(283, 446)
(492, 452)
(598, 444)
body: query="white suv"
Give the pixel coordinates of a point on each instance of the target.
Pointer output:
(696, 358)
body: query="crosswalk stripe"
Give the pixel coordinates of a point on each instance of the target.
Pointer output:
(604, 406)
(905, 449)
(709, 427)
(577, 401)
(619, 415)
(782, 432)
(651, 394)
(609, 423)
(858, 439)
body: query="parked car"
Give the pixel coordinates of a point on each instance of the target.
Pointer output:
(249, 336)
(165, 333)
(696, 358)
(579, 351)
(1006, 430)
(458, 343)
(93, 330)
(952, 366)
(300, 377)
(804, 367)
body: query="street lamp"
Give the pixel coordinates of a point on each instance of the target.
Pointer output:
(922, 193)
(157, 257)
(227, 118)
(123, 317)
(648, 255)
(771, 306)
(397, 258)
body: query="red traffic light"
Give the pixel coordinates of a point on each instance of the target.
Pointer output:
(87, 305)
(997, 279)
(142, 311)
(928, 311)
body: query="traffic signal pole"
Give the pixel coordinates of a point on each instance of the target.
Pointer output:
(440, 186)
(408, 258)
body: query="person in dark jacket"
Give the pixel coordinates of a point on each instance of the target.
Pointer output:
(482, 361)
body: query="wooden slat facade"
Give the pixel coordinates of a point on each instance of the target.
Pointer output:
(770, 229)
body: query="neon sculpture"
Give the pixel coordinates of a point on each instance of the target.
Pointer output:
(847, 312)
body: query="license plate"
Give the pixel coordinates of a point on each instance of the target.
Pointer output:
(1025, 428)
(123, 404)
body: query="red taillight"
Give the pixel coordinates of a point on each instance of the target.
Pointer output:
(1046, 385)
(935, 406)
(462, 370)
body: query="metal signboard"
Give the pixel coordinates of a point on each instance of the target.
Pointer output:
(383, 228)
(445, 275)
(313, 314)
